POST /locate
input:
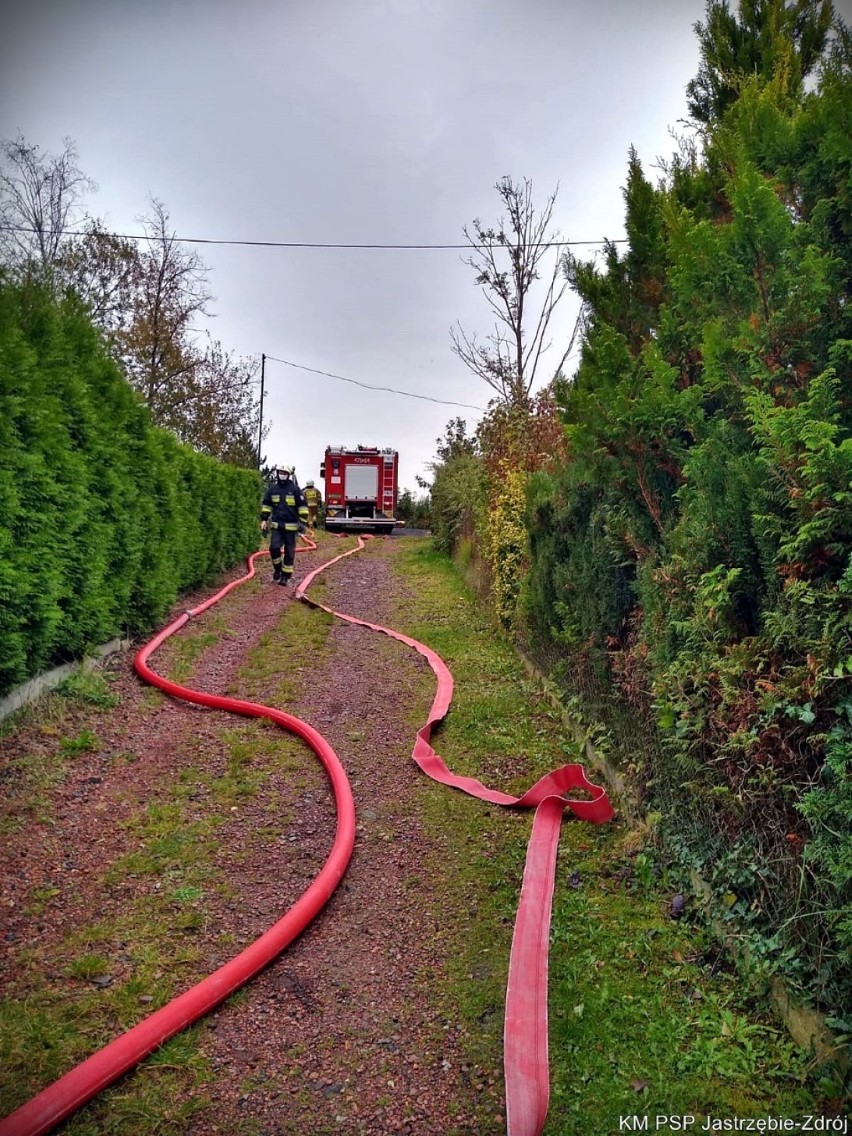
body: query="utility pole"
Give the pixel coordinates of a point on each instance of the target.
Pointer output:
(260, 424)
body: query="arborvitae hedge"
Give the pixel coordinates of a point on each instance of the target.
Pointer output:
(104, 518)
(702, 530)
(687, 575)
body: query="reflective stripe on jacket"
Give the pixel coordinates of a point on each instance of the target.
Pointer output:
(284, 505)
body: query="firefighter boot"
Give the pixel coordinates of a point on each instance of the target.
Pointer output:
(283, 580)
(277, 574)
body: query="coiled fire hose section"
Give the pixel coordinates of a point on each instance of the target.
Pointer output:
(525, 1055)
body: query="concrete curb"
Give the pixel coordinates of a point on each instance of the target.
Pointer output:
(626, 800)
(33, 688)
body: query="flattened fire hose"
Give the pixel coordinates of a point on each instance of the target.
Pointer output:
(525, 1056)
(525, 1031)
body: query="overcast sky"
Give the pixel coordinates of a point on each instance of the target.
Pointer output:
(367, 121)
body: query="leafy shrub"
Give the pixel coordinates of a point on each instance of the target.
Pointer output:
(458, 492)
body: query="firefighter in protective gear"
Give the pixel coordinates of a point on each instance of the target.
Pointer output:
(283, 512)
(314, 500)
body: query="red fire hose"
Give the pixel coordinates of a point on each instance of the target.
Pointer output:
(525, 1057)
(86, 1080)
(525, 1032)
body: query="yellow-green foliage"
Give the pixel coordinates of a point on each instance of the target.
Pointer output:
(505, 541)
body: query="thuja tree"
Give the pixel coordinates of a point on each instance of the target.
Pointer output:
(747, 610)
(706, 500)
(630, 418)
(104, 518)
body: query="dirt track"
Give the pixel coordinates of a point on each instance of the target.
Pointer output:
(344, 1033)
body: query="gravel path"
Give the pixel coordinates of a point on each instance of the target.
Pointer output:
(344, 1033)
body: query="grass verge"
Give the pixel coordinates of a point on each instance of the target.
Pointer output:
(646, 1018)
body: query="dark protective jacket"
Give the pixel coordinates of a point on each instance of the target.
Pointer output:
(284, 505)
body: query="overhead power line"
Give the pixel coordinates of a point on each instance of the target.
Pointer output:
(368, 386)
(305, 244)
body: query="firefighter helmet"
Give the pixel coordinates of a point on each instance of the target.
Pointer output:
(284, 469)
(309, 485)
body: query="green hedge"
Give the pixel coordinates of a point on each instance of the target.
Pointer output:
(700, 537)
(104, 518)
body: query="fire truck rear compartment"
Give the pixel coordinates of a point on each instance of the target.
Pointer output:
(361, 488)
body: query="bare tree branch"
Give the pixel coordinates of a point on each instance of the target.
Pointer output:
(171, 289)
(39, 194)
(506, 261)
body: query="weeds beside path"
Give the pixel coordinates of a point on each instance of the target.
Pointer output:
(145, 842)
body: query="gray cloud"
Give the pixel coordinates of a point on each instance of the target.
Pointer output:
(384, 122)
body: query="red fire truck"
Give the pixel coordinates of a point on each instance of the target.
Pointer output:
(361, 487)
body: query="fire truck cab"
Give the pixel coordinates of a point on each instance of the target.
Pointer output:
(361, 487)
